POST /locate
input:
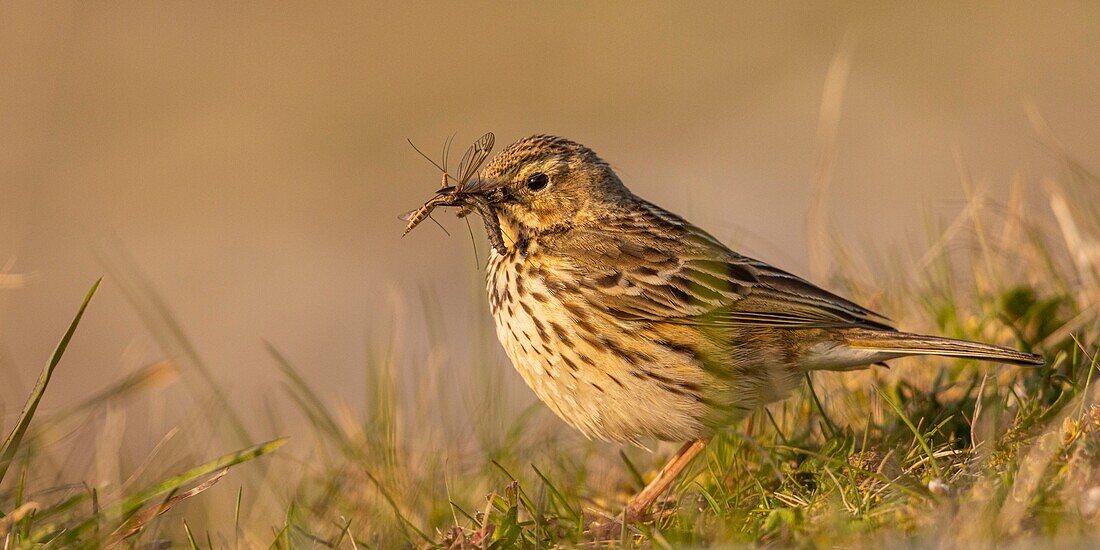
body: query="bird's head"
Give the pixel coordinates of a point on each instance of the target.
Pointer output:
(537, 185)
(548, 183)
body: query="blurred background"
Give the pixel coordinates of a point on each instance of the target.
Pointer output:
(241, 167)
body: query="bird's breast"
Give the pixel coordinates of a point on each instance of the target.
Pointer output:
(592, 372)
(531, 326)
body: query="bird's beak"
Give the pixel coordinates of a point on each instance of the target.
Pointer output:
(478, 196)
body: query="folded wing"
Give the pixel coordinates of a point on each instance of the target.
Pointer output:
(654, 266)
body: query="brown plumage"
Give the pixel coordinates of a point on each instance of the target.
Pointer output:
(629, 322)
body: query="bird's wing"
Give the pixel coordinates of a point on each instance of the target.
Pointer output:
(655, 266)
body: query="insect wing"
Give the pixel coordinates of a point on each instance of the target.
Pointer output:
(474, 157)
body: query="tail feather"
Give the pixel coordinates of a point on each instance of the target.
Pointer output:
(899, 344)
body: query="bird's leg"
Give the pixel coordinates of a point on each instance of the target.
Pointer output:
(672, 469)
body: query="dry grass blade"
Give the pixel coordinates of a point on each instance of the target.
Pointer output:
(189, 476)
(11, 444)
(163, 325)
(14, 280)
(832, 98)
(9, 280)
(125, 509)
(16, 515)
(310, 403)
(158, 374)
(138, 521)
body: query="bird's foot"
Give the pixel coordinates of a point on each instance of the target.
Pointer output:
(602, 526)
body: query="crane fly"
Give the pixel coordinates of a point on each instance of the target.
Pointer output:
(450, 192)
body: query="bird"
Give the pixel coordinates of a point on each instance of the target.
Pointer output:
(632, 324)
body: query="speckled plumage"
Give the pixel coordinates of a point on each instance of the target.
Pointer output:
(630, 323)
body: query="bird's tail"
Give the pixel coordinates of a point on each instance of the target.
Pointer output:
(892, 345)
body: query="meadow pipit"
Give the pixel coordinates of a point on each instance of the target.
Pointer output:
(631, 323)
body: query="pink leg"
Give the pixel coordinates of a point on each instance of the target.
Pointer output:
(672, 469)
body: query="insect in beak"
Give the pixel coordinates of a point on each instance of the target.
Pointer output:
(469, 192)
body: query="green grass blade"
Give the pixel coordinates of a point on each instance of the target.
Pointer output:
(140, 520)
(635, 474)
(175, 482)
(128, 506)
(573, 515)
(190, 537)
(402, 520)
(913, 428)
(820, 409)
(237, 519)
(522, 495)
(11, 444)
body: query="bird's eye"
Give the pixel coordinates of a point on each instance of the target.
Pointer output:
(538, 182)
